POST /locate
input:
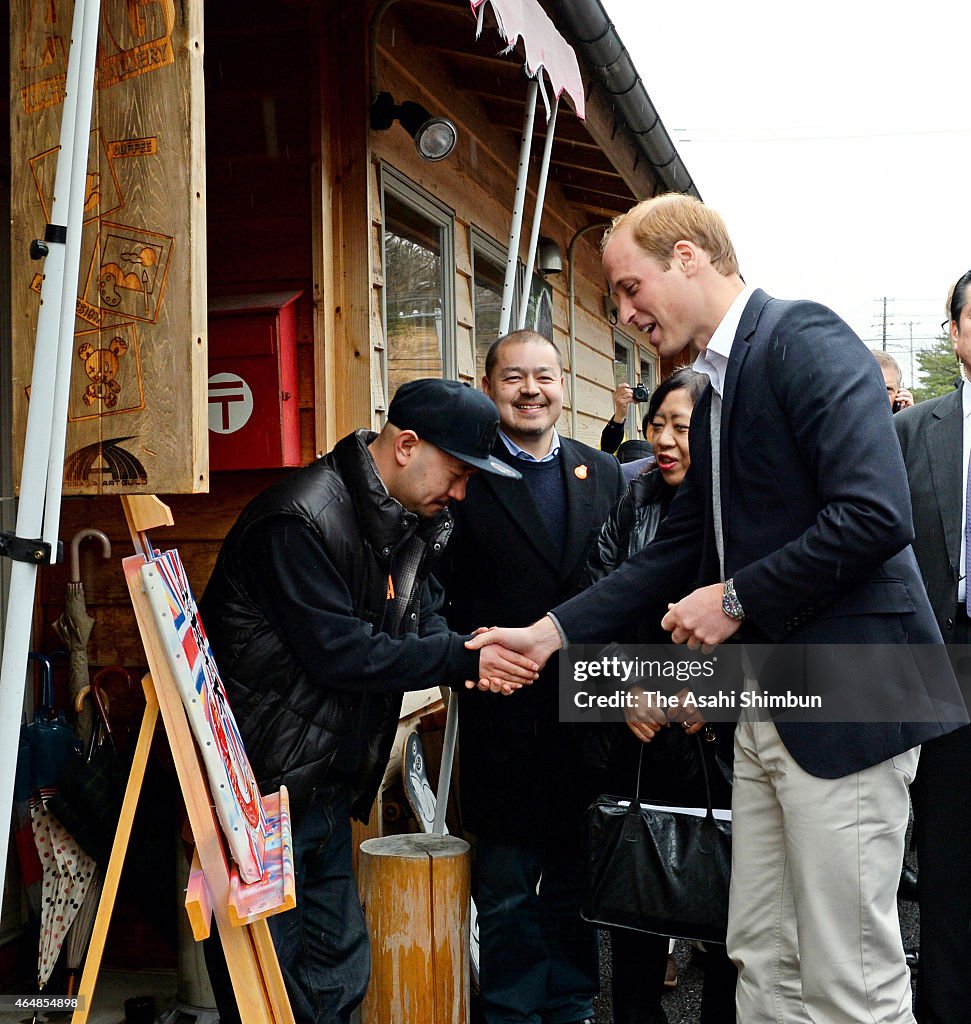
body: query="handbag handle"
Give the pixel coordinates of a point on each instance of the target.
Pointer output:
(634, 807)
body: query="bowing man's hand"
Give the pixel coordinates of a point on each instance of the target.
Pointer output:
(502, 670)
(536, 642)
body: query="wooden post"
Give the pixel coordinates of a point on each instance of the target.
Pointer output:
(415, 891)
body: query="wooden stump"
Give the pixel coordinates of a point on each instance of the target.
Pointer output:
(415, 891)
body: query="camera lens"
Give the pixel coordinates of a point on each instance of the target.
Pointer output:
(640, 393)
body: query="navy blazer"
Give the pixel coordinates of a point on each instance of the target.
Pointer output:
(931, 437)
(817, 526)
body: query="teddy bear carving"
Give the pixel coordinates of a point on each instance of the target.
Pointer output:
(101, 366)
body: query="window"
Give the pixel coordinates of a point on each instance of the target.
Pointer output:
(488, 276)
(419, 317)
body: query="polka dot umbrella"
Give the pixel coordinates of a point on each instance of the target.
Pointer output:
(68, 872)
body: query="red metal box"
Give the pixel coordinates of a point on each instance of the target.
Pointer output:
(254, 418)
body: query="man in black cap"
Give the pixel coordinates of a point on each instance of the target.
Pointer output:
(321, 611)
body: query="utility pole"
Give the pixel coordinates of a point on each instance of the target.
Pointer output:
(910, 325)
(884, 323)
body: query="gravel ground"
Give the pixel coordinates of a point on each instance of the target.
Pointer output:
(682, 1005)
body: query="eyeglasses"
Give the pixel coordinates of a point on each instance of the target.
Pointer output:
(946, 326)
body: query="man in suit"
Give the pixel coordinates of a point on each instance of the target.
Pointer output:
(935, 438)
(796, 531)
(515, 552)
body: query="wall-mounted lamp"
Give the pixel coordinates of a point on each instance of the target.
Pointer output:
(549, 259)
(435, 137)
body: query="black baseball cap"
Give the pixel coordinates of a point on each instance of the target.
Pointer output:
(454, 417)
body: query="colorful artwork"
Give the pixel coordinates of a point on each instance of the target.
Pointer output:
(276, 890)
(234, 790)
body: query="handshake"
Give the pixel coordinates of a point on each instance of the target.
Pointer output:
(512, 657)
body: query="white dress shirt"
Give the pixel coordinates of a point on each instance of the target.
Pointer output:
(713, 360)
(962, 512)
(521, 453)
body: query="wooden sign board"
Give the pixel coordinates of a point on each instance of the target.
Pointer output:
(137, 416)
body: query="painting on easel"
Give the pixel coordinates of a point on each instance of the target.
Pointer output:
(234, 789)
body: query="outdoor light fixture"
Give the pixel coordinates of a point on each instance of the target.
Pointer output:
(549, 259)
(435, 137)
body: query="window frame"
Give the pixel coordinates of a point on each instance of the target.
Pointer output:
(495, 253)
(408, 193)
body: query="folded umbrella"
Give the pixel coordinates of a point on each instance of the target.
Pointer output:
(74, 627)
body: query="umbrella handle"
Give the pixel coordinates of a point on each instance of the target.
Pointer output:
(94, 694)
(112, 670)
(76, 542)
(100, 701)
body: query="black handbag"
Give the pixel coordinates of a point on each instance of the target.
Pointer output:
(657, 869)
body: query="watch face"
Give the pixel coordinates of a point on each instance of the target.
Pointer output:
(731, 605)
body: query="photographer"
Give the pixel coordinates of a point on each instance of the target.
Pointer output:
(613, 433)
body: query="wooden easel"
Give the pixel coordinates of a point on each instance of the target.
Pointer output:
(213, 892)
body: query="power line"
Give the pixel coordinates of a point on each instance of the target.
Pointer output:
(848, 136)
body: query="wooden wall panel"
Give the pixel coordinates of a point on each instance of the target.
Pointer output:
(595, 365)
(137, 418)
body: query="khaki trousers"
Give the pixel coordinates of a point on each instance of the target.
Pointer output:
(813, 922)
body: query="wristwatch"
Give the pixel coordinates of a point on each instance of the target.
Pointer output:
(731, 605)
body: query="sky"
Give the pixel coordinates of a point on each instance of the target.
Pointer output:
(834, 138)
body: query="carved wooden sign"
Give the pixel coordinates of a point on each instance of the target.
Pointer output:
(137, 416)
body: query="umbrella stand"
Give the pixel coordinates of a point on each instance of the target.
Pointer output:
(38, 512)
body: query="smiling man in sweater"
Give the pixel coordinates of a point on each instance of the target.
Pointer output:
(518, 546)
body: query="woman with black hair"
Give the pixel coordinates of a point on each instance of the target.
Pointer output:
(669, 771)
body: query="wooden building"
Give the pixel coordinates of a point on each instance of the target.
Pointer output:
(375, 264)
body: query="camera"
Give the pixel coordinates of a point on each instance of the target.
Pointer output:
(641, 394)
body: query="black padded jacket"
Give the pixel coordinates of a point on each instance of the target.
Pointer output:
(299, 614)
